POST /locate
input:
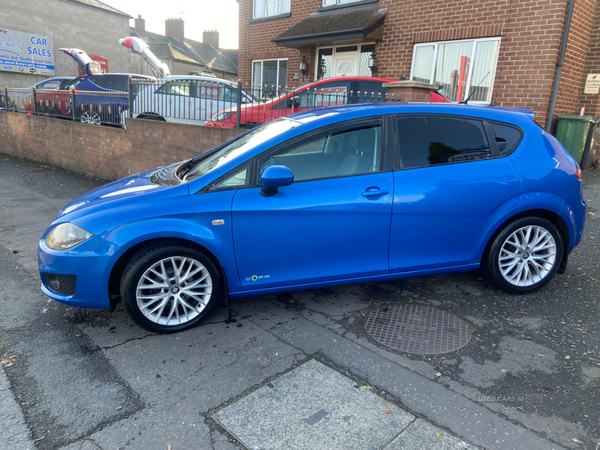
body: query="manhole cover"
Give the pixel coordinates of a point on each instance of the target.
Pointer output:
(417, 329)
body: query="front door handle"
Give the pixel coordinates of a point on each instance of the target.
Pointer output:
(374, 191)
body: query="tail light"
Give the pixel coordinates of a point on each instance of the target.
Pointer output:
(578, 174)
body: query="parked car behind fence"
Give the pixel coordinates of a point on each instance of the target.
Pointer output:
(107, 98)
(185, 99)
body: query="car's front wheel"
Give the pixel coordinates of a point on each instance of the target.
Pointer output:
(92, 117)
(168, 287)
(524, 256)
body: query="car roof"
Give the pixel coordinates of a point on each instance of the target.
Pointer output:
(197, 77)
(349, 112)
(136, 75)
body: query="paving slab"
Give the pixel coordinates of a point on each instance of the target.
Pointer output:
(316, 407)
(471, 421)
(422, 435)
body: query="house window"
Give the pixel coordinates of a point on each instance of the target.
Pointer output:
(267, 8)
(463, 68)
(337, 2)
(269, 77)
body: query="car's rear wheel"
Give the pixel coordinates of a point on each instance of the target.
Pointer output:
(169, 287)
(524, 256)
(92, 117)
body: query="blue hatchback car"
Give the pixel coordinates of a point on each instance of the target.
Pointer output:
(351, 194)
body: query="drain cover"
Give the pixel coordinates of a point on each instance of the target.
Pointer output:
(417, 329)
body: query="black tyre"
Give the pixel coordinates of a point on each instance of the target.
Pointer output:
(524, 256)
(169, 287)
(151, 116)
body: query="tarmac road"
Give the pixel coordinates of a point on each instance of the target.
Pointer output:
(83, 380)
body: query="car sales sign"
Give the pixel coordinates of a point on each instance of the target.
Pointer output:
(26, 53)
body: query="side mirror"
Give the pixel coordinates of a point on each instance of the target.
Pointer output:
(274, 177)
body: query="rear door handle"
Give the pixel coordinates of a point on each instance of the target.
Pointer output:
(374, 191)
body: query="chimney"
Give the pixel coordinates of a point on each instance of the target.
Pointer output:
(211, 37)
(174, 28)
(140, 26)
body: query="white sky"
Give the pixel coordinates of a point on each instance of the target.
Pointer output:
(198, 15)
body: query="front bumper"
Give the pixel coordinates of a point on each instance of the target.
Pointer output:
(90, 262)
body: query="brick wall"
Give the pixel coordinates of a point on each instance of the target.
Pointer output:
(591, 102)
(70, 25)
(105, 152)
(530, 31)
(572, 77)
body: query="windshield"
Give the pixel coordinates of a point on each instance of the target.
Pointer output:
(241, 146)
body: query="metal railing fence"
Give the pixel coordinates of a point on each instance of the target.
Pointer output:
(199, 102)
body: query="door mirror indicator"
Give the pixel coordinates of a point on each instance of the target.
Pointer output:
(274, 177)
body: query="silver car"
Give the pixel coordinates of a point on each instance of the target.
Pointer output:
(184, 98)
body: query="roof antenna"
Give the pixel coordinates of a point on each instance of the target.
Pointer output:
(473, 89)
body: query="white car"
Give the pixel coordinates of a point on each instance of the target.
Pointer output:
(184, 98)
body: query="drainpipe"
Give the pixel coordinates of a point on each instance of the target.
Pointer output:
(559, 65)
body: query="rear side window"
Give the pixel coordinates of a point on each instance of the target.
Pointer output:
(114, 83)
(430, 140)
(507, 137)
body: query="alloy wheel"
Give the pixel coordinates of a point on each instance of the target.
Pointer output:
(91, 117)
(174, 291)
(527, 256)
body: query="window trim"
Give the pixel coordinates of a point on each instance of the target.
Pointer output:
(470, 74)
(345, 5)
(486, 129)
(262, 72)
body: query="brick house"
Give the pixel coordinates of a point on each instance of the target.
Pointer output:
(506, 51)
(89, 25)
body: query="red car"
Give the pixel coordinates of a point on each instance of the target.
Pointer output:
(326, 92)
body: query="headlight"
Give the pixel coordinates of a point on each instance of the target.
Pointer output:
(65, 236)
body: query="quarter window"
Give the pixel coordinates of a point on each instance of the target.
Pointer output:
(351, 152)
(432, 140)
(507, 137)
(461, 67)
(267, 8)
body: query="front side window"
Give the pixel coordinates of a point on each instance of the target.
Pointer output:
(269, 77)
(179, 87)
(463, 68)
(267, 8)
(434, 140)
(346, 153)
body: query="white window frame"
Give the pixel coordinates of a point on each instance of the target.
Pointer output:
(492, 75)
(262, 61)
(359, 45)
(279, 11)
(337, 2)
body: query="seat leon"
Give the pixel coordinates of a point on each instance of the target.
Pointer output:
(349, 194)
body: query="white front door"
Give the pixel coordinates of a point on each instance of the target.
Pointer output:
(346, 65)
